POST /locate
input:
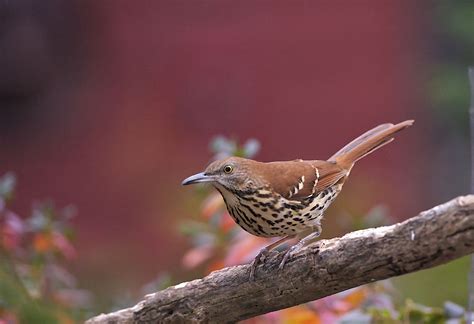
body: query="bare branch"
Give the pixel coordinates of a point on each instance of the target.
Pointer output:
(470, 308)
(434, 237)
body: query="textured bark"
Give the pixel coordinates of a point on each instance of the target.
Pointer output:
(434, 237)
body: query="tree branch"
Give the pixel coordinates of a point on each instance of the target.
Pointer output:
(434, 237)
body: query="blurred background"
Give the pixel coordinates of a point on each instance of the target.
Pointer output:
(109, 105)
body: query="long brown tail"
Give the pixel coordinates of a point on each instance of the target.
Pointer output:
(368, 143)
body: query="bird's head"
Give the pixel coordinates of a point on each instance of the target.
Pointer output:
(233, 173)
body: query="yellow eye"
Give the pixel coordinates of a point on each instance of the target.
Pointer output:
(228, 169)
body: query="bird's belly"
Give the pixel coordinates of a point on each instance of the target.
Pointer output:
(276, 216)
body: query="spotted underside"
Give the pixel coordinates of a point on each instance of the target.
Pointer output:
(284, 200)
(268, 214)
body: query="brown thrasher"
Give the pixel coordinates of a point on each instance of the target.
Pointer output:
(288, 198)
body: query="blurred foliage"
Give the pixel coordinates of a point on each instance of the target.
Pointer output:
(419, 285)
(448, 88)
(35, 287)
(218, 242)
(448, 91)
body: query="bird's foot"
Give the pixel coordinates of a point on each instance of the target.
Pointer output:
(260, 258)
(288, 253)
(298, 246)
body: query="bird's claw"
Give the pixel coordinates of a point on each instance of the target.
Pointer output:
(261, 256)
(301, 244)
(286, 256)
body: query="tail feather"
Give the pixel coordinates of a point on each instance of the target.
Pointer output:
(368, 143)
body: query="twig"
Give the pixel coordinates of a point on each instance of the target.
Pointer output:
(434, 237)
(471, 123)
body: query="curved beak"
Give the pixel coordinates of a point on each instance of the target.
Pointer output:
(197, 178)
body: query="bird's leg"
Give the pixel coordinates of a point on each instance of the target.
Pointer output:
(301, 244)
(264, 252)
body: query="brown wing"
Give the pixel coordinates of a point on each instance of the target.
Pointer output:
(329, 174)
(296, 180)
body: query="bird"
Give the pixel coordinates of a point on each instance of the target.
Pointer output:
(287, 199)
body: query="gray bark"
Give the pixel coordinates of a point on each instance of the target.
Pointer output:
(434, 237)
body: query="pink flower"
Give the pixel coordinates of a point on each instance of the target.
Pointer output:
(11, 231)
(244, 248)
(197, 256)
(63, 245)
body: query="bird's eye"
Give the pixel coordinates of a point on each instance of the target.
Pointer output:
(228, 169)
